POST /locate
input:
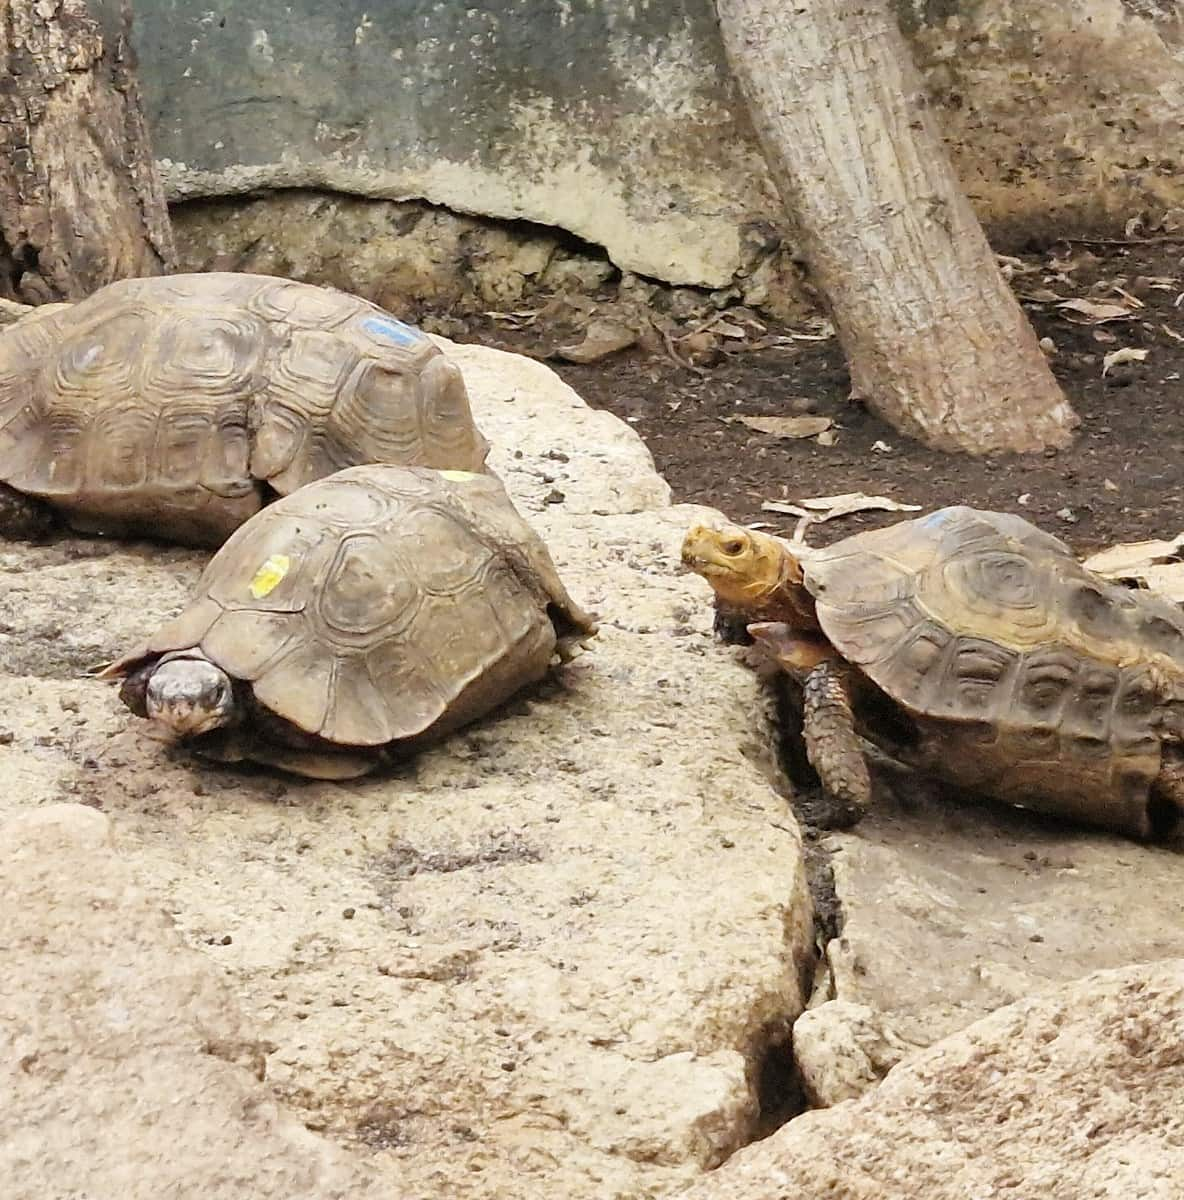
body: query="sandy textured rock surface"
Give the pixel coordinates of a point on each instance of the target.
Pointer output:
(1075, 1093)
(545, 958)
(554, 452)
(951, 910)
(127, 1070)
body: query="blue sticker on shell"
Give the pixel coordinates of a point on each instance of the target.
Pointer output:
(392, 330)
(941, 517)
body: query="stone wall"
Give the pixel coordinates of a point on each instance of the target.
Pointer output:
(617, 120)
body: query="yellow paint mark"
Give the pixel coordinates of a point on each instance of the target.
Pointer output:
(459, 476)
(268, 577)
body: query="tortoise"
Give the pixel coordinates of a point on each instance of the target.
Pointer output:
(177, 406)
(356, 620)
(974, 648)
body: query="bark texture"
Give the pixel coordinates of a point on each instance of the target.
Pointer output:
(935, 340)
(80, 200)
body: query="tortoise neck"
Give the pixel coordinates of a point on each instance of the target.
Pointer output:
(789, 600)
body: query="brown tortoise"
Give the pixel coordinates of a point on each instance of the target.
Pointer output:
(355, 620)
(977, 649)
(177, 406)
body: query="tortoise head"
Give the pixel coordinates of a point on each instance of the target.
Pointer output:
(189, 696)
(749, 571)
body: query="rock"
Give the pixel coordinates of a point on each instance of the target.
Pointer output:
(1076, 1092)
(127, 1069)
(951, 910)
(405, 255)
(621, 124)
(545, 116)
(544, 435)
(842, 1049)
(548, 956)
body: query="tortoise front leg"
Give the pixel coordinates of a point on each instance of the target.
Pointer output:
(832, 745)
(23, 518)
(828, 725)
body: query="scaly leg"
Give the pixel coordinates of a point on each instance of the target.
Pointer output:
(22, 517)
(828, 725)
(831, 742)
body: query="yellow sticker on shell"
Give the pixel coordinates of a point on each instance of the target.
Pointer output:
(268, 577)
(459, 476)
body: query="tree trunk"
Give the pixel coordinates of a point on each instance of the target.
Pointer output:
(936, 343)
(80, 201)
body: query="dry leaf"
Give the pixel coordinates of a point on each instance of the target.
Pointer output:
(788, 427)
(1117, 357)
(1040, 296)
(826, 508)
(1127, 559)
(1010, 266)
(1133, 301)
(856, 502)
(822, 331)
(1095, 312)
(601, 339)
(827, 437)
(1166, 580)
(516, 320)
(783, 506)
(1154, 565)
(1172, 333)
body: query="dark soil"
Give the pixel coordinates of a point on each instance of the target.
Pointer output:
(1122, 479)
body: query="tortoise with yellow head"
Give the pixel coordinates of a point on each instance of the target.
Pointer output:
(1001, 665)
(354, 621)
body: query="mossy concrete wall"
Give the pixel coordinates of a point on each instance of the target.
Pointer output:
(617, 119)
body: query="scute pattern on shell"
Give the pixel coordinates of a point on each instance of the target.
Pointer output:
(361, 607)
(160, 405)
(1048, 675)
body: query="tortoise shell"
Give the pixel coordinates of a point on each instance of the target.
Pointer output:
(164, 405)
(378, 604)
(1048, 681)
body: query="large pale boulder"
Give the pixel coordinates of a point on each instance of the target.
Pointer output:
(546, 958)
(951, 910)
(128, 1073)
(1073, 1093)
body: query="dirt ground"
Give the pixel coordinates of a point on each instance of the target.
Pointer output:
(1120, 480)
